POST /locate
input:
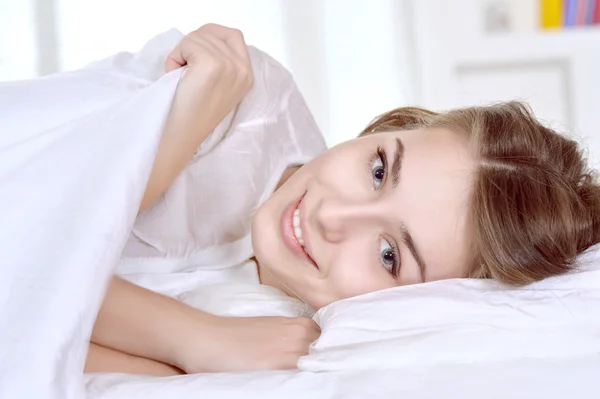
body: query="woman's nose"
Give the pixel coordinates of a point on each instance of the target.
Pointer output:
(337, 219)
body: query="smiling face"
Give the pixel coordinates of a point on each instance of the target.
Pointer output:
(380, 211)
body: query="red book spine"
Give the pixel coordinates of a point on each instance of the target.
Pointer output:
(580, 12)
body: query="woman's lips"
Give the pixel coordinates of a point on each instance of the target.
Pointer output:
(288, 236)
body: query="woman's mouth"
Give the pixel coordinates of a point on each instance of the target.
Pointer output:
(293, 235)
(297, 228)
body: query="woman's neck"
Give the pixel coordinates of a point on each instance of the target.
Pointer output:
(267, 278)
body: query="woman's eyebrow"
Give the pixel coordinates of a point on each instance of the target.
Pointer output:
(406, 236)
(397, 163)
(410, 243)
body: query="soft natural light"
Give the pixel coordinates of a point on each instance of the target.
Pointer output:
(344, 54)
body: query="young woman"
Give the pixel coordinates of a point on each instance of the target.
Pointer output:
(483, 192)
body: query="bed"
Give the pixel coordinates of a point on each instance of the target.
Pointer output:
(68, 201)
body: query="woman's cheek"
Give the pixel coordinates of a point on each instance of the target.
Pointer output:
(344, 172)
(351, 277)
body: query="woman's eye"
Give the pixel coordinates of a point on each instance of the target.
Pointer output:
(378, 171)
(388, 256)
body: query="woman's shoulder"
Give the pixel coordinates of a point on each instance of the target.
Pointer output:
(273, 114)
(263, 62)
(273, 85)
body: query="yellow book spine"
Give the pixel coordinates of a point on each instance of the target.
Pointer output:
(551, 13)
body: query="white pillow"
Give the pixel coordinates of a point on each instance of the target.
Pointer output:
(462, 321)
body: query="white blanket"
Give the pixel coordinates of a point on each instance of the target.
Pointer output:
(75, 154)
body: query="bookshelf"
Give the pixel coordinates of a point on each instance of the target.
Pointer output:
(529, 45)
(555, 70)
(560, 14)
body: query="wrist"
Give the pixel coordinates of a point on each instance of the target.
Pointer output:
(189, 345)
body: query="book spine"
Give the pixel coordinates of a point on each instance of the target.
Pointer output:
(551, 14)
(570, 7)
(580, 12)
(589, 12)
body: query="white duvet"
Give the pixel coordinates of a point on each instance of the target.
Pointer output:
(75, 153)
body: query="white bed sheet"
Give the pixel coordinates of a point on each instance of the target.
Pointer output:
(569, 377)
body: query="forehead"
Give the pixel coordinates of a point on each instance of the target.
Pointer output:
(432, 198)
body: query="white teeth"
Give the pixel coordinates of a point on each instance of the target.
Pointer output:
(297, 230)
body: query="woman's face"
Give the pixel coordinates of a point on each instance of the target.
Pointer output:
(380, 211)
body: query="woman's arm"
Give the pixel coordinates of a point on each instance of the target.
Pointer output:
(217, 78)
(143, 323)
(184, 131)
(135, 321)
(103, 360)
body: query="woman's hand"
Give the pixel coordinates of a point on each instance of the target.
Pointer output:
(219, 73)
(217, 78)
(247, 343)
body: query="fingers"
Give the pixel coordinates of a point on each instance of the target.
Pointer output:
(302, 332)
(175, 59)
(312, 329)
(290, 361)
(308, 323)
(313, 335)
(299, 346)
(189, 48)
(229, 41)
(232, 37)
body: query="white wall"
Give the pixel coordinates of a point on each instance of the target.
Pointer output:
(364, 55)
(350, 58)
(18, 59)
(95, 28)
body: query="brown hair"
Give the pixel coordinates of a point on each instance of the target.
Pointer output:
(535, 205)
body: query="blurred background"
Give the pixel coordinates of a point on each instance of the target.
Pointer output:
(352, 59)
